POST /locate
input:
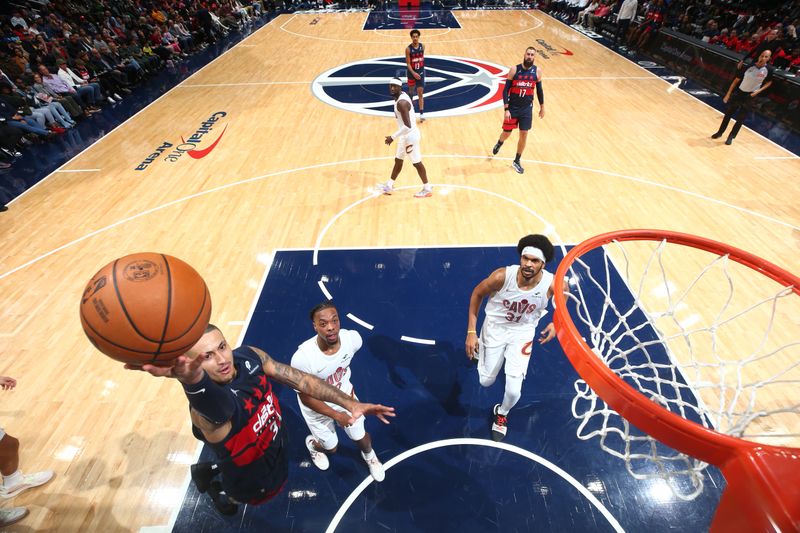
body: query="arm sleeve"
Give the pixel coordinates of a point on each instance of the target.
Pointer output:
(540, 93)
(213, 401)
(506, 91)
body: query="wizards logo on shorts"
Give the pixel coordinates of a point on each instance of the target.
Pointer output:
(453, 85)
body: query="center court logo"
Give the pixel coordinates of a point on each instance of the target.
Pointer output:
(453, 85)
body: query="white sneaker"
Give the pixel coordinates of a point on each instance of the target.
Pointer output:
(375, 467)
(28, 482)
(12, 515)
(320, 459)
(384, 188)
(424, 193)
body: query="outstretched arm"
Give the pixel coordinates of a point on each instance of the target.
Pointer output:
(316, 388)
(343, 419)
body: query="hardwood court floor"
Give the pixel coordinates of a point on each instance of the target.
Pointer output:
(616, 150)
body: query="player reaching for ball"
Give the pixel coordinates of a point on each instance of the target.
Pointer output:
(236, 413)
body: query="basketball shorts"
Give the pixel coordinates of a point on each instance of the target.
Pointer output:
(522, 118)
(498, 349)
(413, 83)
(261, 480)
(323, 428)
(408, 147)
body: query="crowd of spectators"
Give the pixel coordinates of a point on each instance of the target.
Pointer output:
(746, 27)
(61, 61)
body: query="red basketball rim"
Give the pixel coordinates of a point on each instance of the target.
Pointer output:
(763, 480)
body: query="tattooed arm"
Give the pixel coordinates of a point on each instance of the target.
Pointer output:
(316, 388)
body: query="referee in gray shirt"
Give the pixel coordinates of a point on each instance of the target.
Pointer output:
(749, 82)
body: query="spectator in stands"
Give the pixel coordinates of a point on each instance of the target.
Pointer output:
(14, 117)
(711, 31)
(732, 42)
(46, 94)
(627, 11)
(787, 60)
(770, 41)
(601, 13)
(90, 92)
(589, 10)
(58, 86)
(41, 116)
(44, 100)
(652, 22)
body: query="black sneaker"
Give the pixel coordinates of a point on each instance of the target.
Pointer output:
(496, 149)
(716, 135)
(498, 424)
(3, 208)
(221, 501)
(202, 474)
(518, 167)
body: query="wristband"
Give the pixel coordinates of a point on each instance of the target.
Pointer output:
(471, 331)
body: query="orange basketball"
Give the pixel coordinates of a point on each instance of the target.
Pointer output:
(145, 308)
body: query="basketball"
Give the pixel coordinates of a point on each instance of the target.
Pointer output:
(145, 308)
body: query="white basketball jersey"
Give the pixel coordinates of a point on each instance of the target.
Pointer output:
(334, 368)
(515, 310)
(412, 117)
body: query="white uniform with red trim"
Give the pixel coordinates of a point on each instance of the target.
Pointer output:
(510, 325)
(335, 369)
(408, 144)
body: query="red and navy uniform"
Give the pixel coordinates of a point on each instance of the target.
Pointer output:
(253, 458)
(417, 59)
(520, 98)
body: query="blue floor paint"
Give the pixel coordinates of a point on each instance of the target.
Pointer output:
(424, 293)
(421, 18)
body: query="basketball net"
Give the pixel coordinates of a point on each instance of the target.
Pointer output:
(719, 347)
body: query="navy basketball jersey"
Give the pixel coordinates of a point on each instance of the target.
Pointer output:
(252, 456)
(523, 86)
(417, 58)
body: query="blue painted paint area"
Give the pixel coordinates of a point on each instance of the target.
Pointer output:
(421, 18)
(424, 293)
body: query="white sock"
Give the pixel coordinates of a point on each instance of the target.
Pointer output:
(390, 184)
(368, 456)
(426, 186)
(12, 479)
